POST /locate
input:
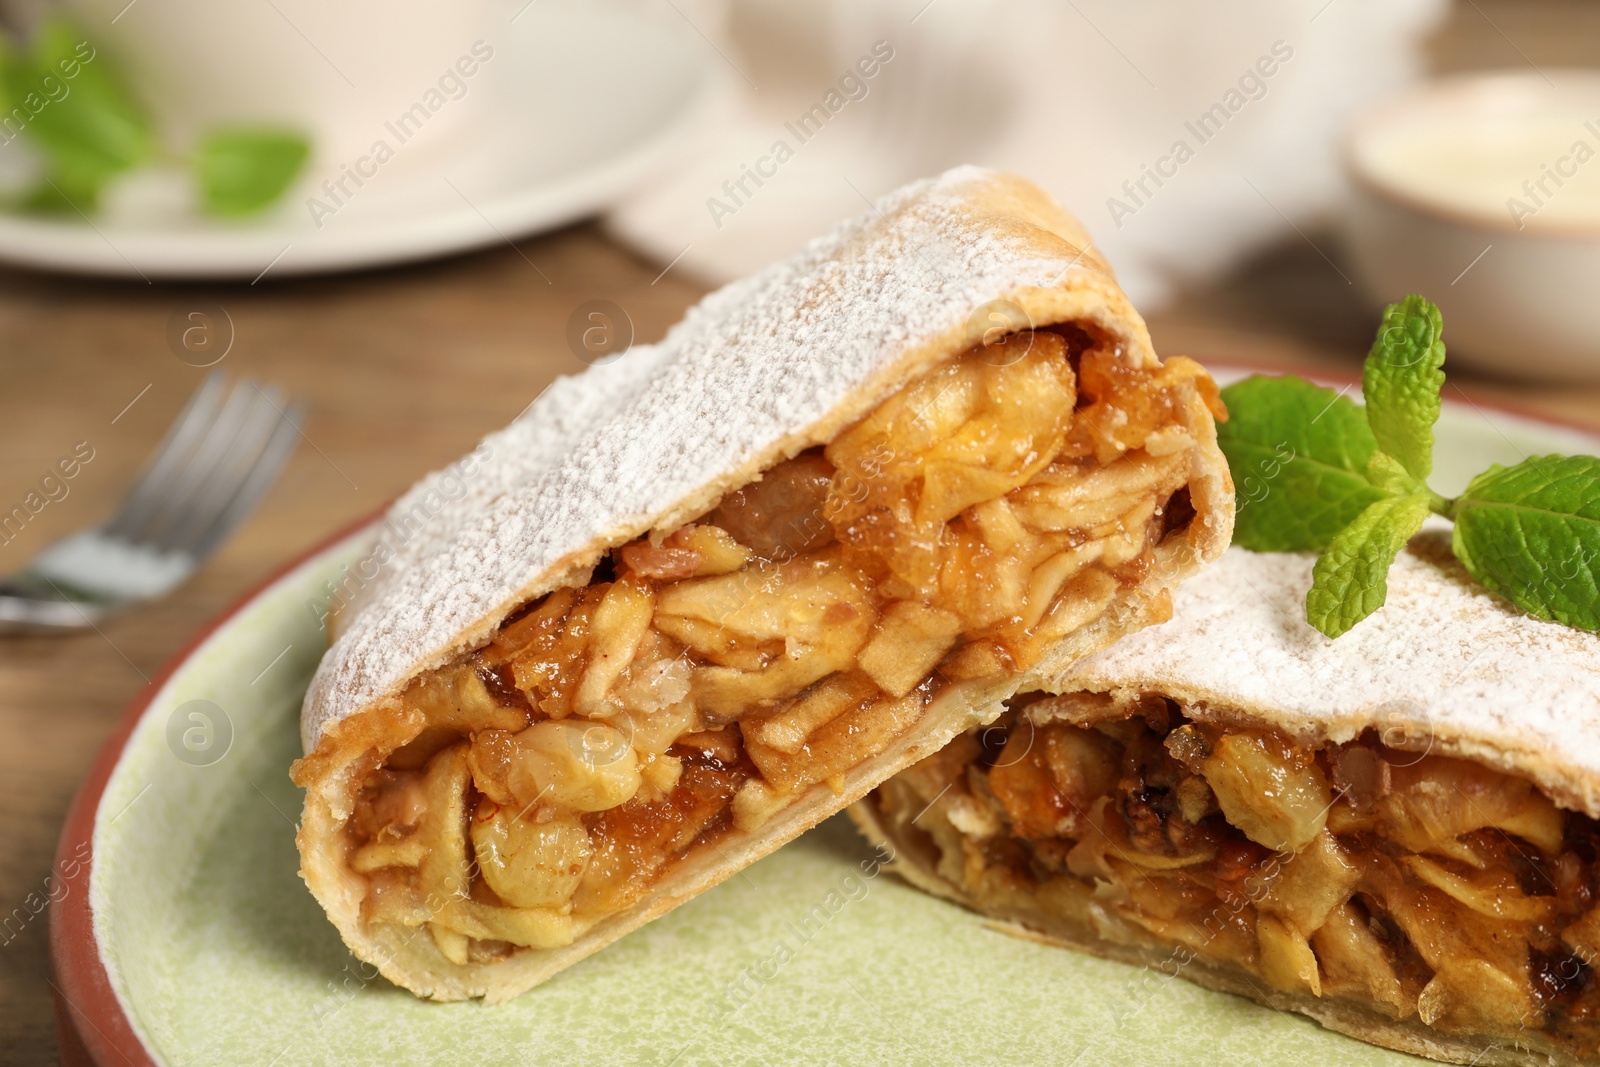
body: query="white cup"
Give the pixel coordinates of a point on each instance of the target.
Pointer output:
(342, 71)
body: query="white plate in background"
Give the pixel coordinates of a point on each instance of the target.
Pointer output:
(583, 101)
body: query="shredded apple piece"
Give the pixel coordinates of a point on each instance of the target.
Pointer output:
(708, 675)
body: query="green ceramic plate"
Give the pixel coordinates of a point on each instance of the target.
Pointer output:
(217, 954)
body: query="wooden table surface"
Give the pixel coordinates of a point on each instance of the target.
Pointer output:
(404, 370)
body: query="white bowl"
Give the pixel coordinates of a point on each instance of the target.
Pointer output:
(1439, 208)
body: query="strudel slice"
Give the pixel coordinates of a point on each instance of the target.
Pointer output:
(696, 600)
(1394, 833)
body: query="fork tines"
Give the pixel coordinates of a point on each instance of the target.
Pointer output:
(220, 457)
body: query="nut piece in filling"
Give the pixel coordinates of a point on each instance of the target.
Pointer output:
(706, 677)
(1426, 889)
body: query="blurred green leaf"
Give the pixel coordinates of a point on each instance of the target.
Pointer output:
(243, 170)
(62, 194)
(78, 110)
(8, 58)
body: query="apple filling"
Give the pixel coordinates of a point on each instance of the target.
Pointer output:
(707, 676)
(1419, 886)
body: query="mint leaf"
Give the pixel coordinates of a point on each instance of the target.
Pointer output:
(1532, 534)
(1401, 382)
(243, 170)
(1350, 579)
(1385, 472)
(1297, 453)
(79, 111)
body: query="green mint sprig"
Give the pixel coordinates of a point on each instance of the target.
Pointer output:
(1315, 472)
(78, 110)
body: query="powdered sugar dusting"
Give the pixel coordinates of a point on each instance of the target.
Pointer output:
(1444, 661)
(605, 455)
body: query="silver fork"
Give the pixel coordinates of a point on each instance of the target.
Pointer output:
(219, 458)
